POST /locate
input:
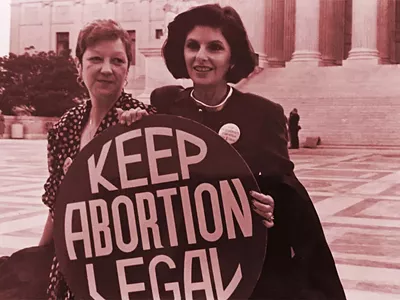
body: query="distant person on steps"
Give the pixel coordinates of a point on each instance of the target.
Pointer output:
(294, 128)
(2, 124)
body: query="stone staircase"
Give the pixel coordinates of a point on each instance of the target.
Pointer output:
(355, 104)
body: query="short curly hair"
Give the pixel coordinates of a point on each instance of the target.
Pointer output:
(102, 30)
(213, 15)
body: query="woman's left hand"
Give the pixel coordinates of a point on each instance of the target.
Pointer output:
(264, 206)
(130, 116)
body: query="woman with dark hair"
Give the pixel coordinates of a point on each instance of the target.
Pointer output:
(103, 56)
(209, 45)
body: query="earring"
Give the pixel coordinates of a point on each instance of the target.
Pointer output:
(231, 67)
(126, 83)
(79, 80)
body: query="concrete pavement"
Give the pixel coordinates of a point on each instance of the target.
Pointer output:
(356, 193)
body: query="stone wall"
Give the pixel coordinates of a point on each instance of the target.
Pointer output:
(34, 127)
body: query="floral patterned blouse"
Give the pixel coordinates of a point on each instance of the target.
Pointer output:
(63, 145)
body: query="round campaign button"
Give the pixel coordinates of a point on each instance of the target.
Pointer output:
(230, 132)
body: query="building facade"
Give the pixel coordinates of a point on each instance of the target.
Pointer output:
(337, 61)
(45, 25)
(324, 31)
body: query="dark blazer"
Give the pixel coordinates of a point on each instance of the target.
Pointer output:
(261, 122)
(311, 273)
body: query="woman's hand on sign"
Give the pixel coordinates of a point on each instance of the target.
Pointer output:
(130, 116)
(264, 206)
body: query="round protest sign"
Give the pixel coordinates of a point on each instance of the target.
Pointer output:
(159, 210)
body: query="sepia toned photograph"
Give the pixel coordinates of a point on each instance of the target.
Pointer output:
(200, 149)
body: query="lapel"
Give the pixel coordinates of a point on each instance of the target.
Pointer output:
(185, 106)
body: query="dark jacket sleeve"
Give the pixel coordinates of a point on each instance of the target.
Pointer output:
(275, 141)
(163, 97)
(311, 273)
(313, 257)
(25, 274)
(274, 144)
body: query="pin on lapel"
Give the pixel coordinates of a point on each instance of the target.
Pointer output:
(230, 132)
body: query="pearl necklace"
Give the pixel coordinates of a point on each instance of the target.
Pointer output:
(217, 107)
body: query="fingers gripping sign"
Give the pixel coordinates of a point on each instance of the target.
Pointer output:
(130, 116)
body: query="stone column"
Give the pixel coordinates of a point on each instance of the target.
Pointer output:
(47, 7)
(289, 29)
(156, 72)
(77, 13)
(145, 28)
(364, 33)
(257, 15)
(386, 29)
(332, 31)
(111, 9)
(15, 20)
(275, 17)
(253, 15)
(307, 33)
